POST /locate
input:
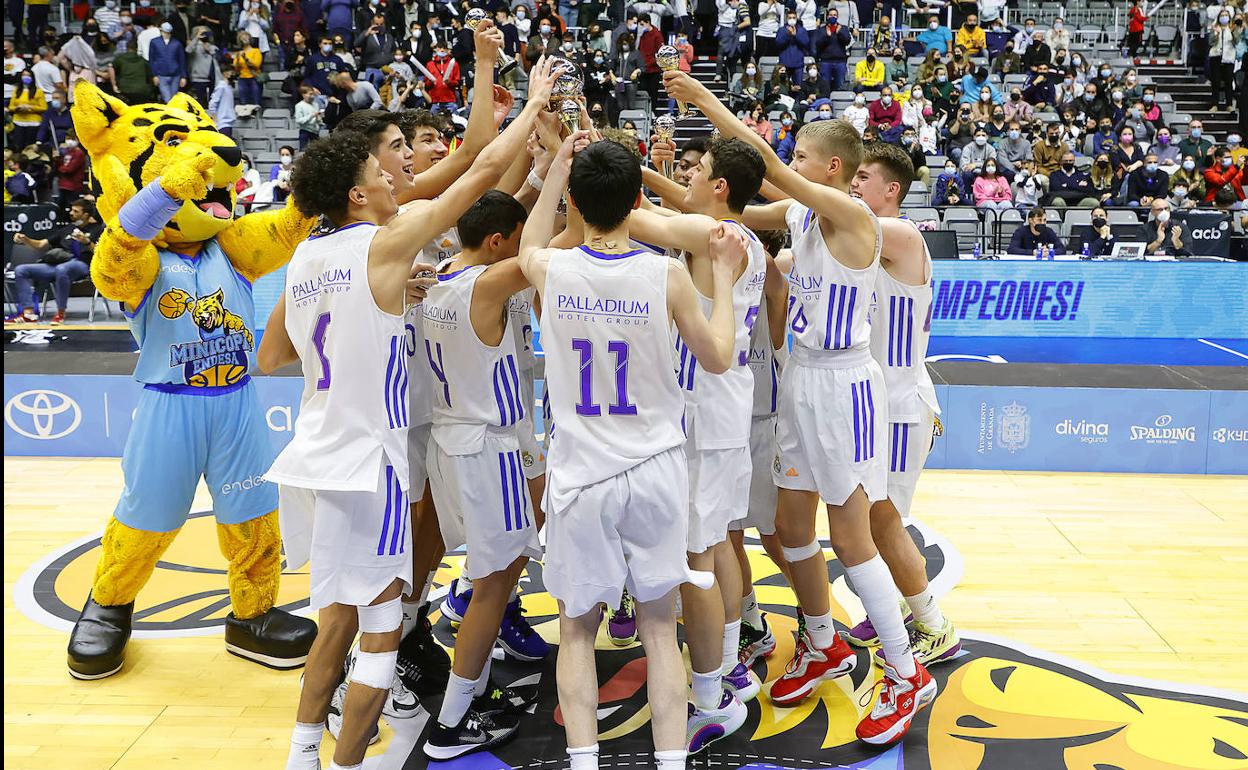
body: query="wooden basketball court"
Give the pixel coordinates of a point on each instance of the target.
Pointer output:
(1126, 577)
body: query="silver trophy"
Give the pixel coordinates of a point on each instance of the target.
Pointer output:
(668, 59)
(473, 18)
(570, 115)
(568, 83)
(664, 130)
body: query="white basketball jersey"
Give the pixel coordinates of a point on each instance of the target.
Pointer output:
(442, 248)
(477, 387)
(520, 308)
(354, 413)
(419, 378)
(765, 364)
(829, 303)
(721, 402)
(613, 396)
(899, 334)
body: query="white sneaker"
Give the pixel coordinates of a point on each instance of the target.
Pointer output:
(333, 720)
(401, 703)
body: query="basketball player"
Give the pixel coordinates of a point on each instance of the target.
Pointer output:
(475, 465)
(347, 462)
(827, 419)
(899, 334)
(616, 495)
(717, 423)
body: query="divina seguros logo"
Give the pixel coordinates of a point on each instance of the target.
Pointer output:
(1163, 431)
(42, 414)
(1086, 432)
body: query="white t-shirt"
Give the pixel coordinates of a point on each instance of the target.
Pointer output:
(48, 77)
(12, 66)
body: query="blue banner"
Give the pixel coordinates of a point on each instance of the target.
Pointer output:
(1046, 429)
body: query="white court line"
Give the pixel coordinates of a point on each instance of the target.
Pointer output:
(1228, 350)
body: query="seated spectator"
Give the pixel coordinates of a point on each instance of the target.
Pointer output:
(975, 154)
(960, 132)
(1024, 36)
(1068, 186)
(1180, 197)
(1057, 36)
(221, 103)
(869, 73)
(756, 120)
(279, 173)
(19, 184)
(1007, 62)
(1048, 152)
(1196, 145)
(1167, 152)
(882, 37)
(1152, 110)
(937, 37)
(1092, 107)
(1191, 177)
(1029, 187)
(975, 84)
(855, 114)
(1223, 172)
(1147, 182)
(950, 188)
(1097, 239)
(1117, 105)
(785, 138)
(1104, 139)
(996, 126)
(992, 190)
(971, 36)
(1038, 54)
(746, 88)
(1068, 91)
(897, 71)
(1105, 184)
(926, 72)
(248, 184)
(60, 259)
(1134, 119)
(960, 65)
(1234, 142)
(1012, 148)
(916, 111)
(1017, 108)
(885, 112)
(1167, 237)
(1034, 236)
(910, 143)
(1127, 155)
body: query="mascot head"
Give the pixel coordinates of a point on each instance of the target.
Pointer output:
(130, 145)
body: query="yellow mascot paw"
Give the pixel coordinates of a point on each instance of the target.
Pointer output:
(189, 179)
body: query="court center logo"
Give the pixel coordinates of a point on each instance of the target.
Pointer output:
(44, 415)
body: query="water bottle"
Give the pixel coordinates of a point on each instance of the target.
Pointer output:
(1039, 253)
(976, 252)
(1086, 253)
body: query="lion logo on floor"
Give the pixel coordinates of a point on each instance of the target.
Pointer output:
(220, 355)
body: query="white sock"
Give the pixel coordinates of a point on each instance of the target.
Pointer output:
(925, 608)
(484, 679)
(873, 583)
(336, 766)
(750, 612)
(820, 629)
(411, 610)
(708, 688)
(463, 585)
(732, 638)
(670, 760)
(584, 758)
(458, 698)
(305, 745)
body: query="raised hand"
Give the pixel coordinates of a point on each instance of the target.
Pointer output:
(503, 102)
(488, 41)
(727, 246)
(189, 178)
(542, 80)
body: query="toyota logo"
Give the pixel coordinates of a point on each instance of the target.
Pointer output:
(1163, 421)
(42, 414)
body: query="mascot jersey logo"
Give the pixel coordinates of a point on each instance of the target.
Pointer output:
(220, 355)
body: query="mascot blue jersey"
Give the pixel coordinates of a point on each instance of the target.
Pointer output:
(194, 326)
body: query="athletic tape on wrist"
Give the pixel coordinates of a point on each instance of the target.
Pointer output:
(374, 669)
(534, 180)
(801, 553)
(147, 213)
(380, 618)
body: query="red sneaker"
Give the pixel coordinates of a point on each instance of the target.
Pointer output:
(810, 666)
(899, 700)
(59, 318)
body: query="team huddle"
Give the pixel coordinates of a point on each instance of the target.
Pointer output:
(676, 416)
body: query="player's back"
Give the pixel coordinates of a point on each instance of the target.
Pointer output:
(354, 412)
(829, 303)
(899, 334)
(607, 341)
(766, 364)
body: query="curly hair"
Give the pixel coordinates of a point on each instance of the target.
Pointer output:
(326, 172)
(773, 240)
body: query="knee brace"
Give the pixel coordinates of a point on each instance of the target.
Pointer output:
(374, 669)
(801, 553)
(381, 618)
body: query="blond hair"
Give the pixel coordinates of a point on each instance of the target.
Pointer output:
(836, 139)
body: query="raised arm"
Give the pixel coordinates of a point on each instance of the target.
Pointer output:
(688, 232)
(711, 340)
(776, 290)
(670, 192)
(835, 205)
(539, 228)
(767, 216)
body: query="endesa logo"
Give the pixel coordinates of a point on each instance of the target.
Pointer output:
(43, 414)
(1162, 431)
(1086, 432)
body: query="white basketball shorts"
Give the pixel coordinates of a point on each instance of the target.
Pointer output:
(628, 531)
(719, 489)
(830, 430)
(483, 503)
(909, 444)
(532, 453)
(359, 540)
(417, 457)
(762, 512)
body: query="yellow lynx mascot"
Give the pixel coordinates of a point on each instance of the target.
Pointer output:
(173, 252)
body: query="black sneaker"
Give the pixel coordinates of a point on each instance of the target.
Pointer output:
(423, 665)
(504, 700)
(473, 733)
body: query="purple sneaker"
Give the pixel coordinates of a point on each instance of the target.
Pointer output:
(706, 727)
(517, 637)
(622, 624)
(864, 635)
(743, 682)
(455, 605)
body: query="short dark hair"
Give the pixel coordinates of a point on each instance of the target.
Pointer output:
(412, 120)
(741, 166)
(494, 212)
(370, 124)
(696, 144)
(772, 240)
(604, 184)
(1038, 211)
(893, 161)
(321, 178)
(286, 147)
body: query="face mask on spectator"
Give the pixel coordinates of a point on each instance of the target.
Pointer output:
(942, 79)
(825, 114)
(626, 48)
(1014, 134)
(981, 140)
(1127, 138)
(1099, 222)
(1076, 60)
(1057, 25)
(886, 100)
(786, 121)
(1196, 132)
(1016, 96)
(1224, 20)
(1106, 72)
(599, 60)
(632, 26)
(950, 168)
(286, 159)
(567, 46)
(1180, 192)
(907, 139)
(916, 94)
(1068, 82)
(1135, 112)
(1117, 96)
(990, 170)
(126, 21)
(544, 29)
(985, 96)
(1150, 168)
(751, 71)
(812, 73)
(1189, 165)
(327, 48)
(1163, 139)
(1227, 161)
(1148, 98)
(27, 80)
(110, 4)
(55, 103)
(1163, 216)
(933, 26)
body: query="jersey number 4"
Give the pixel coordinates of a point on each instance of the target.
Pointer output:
(587, 407)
